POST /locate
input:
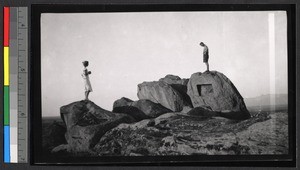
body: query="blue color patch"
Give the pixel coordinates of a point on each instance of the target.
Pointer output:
(6, 144)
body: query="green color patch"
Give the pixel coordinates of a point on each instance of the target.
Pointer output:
(6, 105)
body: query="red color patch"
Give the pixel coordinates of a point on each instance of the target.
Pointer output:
(6, 27)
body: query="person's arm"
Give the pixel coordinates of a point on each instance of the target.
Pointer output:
(205, 50)
(85, 72)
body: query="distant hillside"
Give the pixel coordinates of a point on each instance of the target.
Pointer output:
(265, 100)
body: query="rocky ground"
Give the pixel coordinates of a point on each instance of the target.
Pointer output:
(179, 134)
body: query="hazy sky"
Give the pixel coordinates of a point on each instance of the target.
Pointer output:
(125, 49)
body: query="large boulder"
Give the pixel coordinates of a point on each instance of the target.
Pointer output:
(86, 123)
(122, 102)
(150, 108)
(213, 89)
(172, 79)
(140, 109)
(178, 134)
(180, 85)
(134, 112)
(162, 93)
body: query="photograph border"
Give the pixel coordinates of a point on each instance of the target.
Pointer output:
(288, 160)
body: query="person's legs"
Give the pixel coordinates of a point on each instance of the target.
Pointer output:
(86, 93)
(207, 66)
(87, 96)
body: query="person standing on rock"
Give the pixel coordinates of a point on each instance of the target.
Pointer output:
(205, 55)
(87, 83)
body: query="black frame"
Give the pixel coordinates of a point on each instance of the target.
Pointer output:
(215, 160)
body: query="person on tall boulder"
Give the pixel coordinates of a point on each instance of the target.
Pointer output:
(205, 55)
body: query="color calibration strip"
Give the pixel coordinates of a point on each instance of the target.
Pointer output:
(15, 84)
(6, 86)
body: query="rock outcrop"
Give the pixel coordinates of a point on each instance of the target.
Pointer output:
(53, 135)
(170, 92)
(140, 109)
(177, 134)
(172, 79)
(162, 93)
(203, 112)
(213, 89)
(203, 115)
(150, 108)
(86, 123)
(134, 112)
(180, 85)
(122, 102)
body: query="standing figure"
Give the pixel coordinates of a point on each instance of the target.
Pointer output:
(205, 55)
(87, 83)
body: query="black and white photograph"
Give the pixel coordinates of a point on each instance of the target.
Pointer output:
(164, 83)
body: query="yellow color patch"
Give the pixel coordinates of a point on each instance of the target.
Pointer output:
(6, 66)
